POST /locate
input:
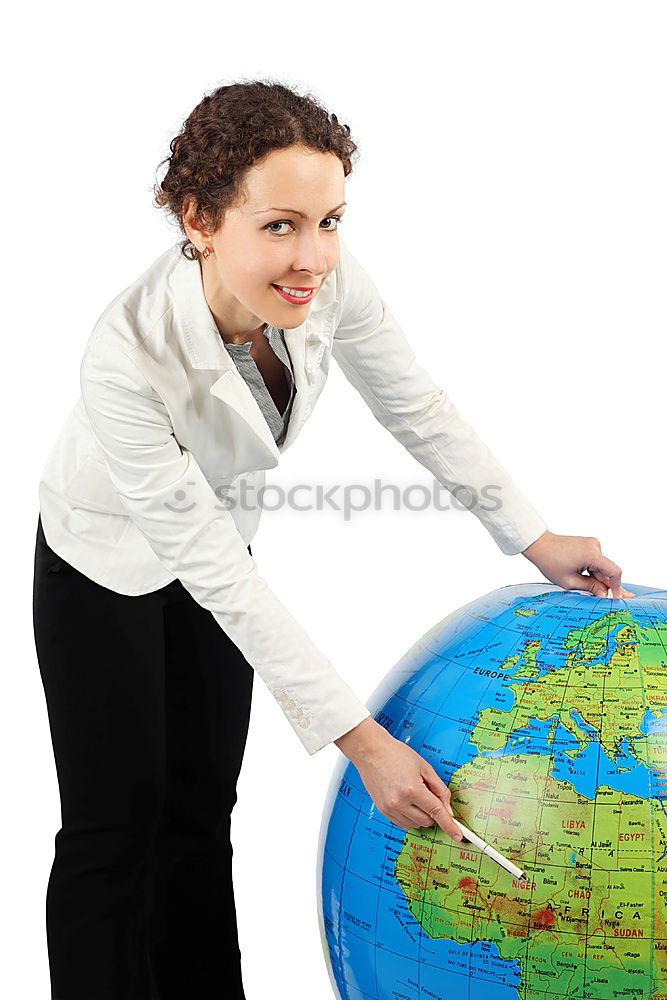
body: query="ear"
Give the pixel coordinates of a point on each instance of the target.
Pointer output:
(196, 233)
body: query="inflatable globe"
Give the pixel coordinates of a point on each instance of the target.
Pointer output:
(544, 712)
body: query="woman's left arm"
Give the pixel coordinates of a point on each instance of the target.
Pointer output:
(375, 356)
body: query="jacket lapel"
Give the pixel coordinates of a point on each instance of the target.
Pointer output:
(306, 344)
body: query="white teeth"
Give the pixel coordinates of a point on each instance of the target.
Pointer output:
(295, 291)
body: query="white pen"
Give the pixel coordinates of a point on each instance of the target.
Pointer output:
(491, 852)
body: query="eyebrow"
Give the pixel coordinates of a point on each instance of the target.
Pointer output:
(295, 211)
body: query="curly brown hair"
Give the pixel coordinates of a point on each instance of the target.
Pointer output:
(230, 130)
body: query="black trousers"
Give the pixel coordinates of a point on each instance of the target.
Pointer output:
(148, 703)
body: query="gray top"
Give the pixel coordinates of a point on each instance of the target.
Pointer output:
(245, 364)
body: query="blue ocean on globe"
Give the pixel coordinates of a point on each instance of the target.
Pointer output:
(545, 711)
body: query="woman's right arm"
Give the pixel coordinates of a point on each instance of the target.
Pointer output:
(403, 786)
(170, 501)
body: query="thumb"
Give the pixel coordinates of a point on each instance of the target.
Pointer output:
(597, 587)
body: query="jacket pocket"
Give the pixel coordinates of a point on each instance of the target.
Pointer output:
(91, 489)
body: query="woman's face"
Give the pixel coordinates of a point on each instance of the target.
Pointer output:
(284, 232)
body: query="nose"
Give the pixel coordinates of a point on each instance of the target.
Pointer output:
(311, 257)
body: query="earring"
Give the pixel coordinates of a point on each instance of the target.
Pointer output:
(206, 253)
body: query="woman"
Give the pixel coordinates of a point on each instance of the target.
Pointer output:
(150, 615)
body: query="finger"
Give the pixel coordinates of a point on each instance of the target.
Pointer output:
(416, 818)
(596, 585)
(437, 786)
(436, 800)
(412, 819)
(601, 586)
(403, 822)
(608, 573)
(625, 593)
(436, 809)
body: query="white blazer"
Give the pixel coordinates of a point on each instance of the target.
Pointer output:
(143, 483)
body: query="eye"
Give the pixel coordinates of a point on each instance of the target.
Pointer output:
(283, 222)
(286, 222)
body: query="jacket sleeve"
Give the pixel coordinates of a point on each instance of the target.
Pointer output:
(376, 358)
(201, 546)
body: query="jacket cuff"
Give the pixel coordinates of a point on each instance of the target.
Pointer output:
(519, 526)
(340, 711)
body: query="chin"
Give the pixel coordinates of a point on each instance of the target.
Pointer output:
(294, 324)
(290, 317)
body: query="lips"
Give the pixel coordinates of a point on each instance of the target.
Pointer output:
(295, 299)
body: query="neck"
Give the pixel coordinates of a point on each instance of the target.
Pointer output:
(242, 338)
(230, 330)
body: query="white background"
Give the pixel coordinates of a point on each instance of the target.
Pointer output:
(510, 205)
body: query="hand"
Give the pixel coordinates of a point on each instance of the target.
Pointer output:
(403, 786)
(562, 559)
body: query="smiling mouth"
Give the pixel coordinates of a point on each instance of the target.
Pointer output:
(304, 293)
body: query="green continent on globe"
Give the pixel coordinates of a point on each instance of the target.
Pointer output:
(611, 696)
(577, 923)
(589, 891)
